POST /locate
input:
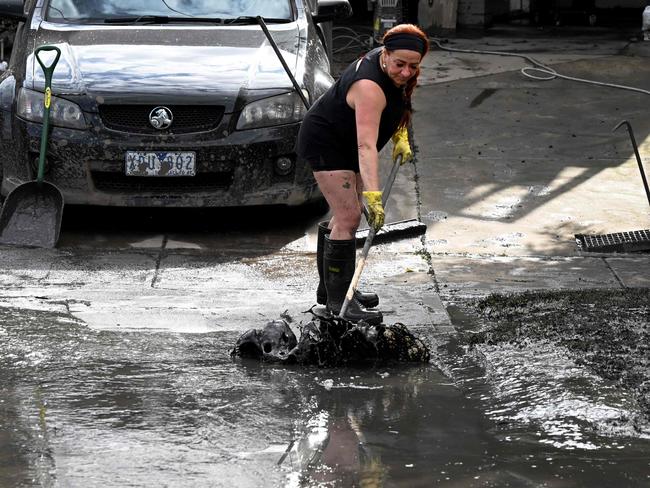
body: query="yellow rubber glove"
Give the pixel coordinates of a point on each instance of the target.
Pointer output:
(401, 145)
(375, 209)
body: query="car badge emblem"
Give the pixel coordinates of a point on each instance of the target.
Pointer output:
(161, 118)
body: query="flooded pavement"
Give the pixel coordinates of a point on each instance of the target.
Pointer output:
(141, 408)
(116, 367)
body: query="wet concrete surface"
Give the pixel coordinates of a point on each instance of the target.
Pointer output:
(606, 331)
(147, 408)
(114, 347)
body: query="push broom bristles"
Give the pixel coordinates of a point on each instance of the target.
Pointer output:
(394, 231)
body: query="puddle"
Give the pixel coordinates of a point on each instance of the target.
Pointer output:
(112, 408)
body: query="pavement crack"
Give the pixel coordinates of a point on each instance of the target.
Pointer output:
(161, 254)
(618, 278)
(423, 252)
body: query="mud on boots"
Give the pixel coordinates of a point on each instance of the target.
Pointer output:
(339, 259)
(367, 299)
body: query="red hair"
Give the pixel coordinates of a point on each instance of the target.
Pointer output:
(411, 83)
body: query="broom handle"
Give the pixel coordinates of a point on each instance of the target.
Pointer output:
(371, 235)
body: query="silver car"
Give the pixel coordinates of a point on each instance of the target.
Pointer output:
(166, 102)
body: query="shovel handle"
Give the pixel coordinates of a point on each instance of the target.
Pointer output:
(48, 71)
(371, 235)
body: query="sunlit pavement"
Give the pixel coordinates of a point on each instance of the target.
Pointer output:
(510, 168)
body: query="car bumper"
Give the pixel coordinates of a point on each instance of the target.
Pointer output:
(233, 170)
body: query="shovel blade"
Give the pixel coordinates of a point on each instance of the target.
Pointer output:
(31, 215)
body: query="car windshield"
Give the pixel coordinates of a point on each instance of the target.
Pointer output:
(175, 10)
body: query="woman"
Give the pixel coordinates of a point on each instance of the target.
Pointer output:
(341, 137)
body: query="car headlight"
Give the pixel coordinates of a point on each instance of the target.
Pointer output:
(63, 113)
(277, 110)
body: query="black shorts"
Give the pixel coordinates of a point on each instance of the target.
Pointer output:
(331, 162)
(318, 147)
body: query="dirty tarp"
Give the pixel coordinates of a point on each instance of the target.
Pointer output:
(330, 342)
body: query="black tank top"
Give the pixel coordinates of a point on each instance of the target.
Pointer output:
(335, 119)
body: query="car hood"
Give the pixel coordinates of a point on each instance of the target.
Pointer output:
(187, 64)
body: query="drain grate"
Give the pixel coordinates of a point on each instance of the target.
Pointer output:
(636, 240)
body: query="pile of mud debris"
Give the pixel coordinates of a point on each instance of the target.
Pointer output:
(331, 342)
(607, 331)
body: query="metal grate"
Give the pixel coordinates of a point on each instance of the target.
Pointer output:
(111, 182)
(186, 118)
(636, 240)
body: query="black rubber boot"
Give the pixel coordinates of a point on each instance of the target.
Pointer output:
(338, 269)
(368, 300)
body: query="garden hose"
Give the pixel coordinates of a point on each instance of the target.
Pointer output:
(538, 67)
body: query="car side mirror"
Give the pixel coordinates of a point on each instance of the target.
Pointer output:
(13, 9)
(328, 10)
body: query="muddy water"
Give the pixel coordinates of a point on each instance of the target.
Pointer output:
(82, 407)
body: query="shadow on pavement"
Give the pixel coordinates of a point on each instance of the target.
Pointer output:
(254, 229)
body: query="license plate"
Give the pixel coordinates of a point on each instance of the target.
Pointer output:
(149, 163)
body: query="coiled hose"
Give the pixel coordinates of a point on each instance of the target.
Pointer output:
(538, 67)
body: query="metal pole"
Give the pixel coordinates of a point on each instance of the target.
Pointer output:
(638, 156)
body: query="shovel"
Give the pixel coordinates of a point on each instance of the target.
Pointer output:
(32, 212)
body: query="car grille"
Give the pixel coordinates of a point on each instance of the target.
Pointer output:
(111, 182)
(186, 118)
